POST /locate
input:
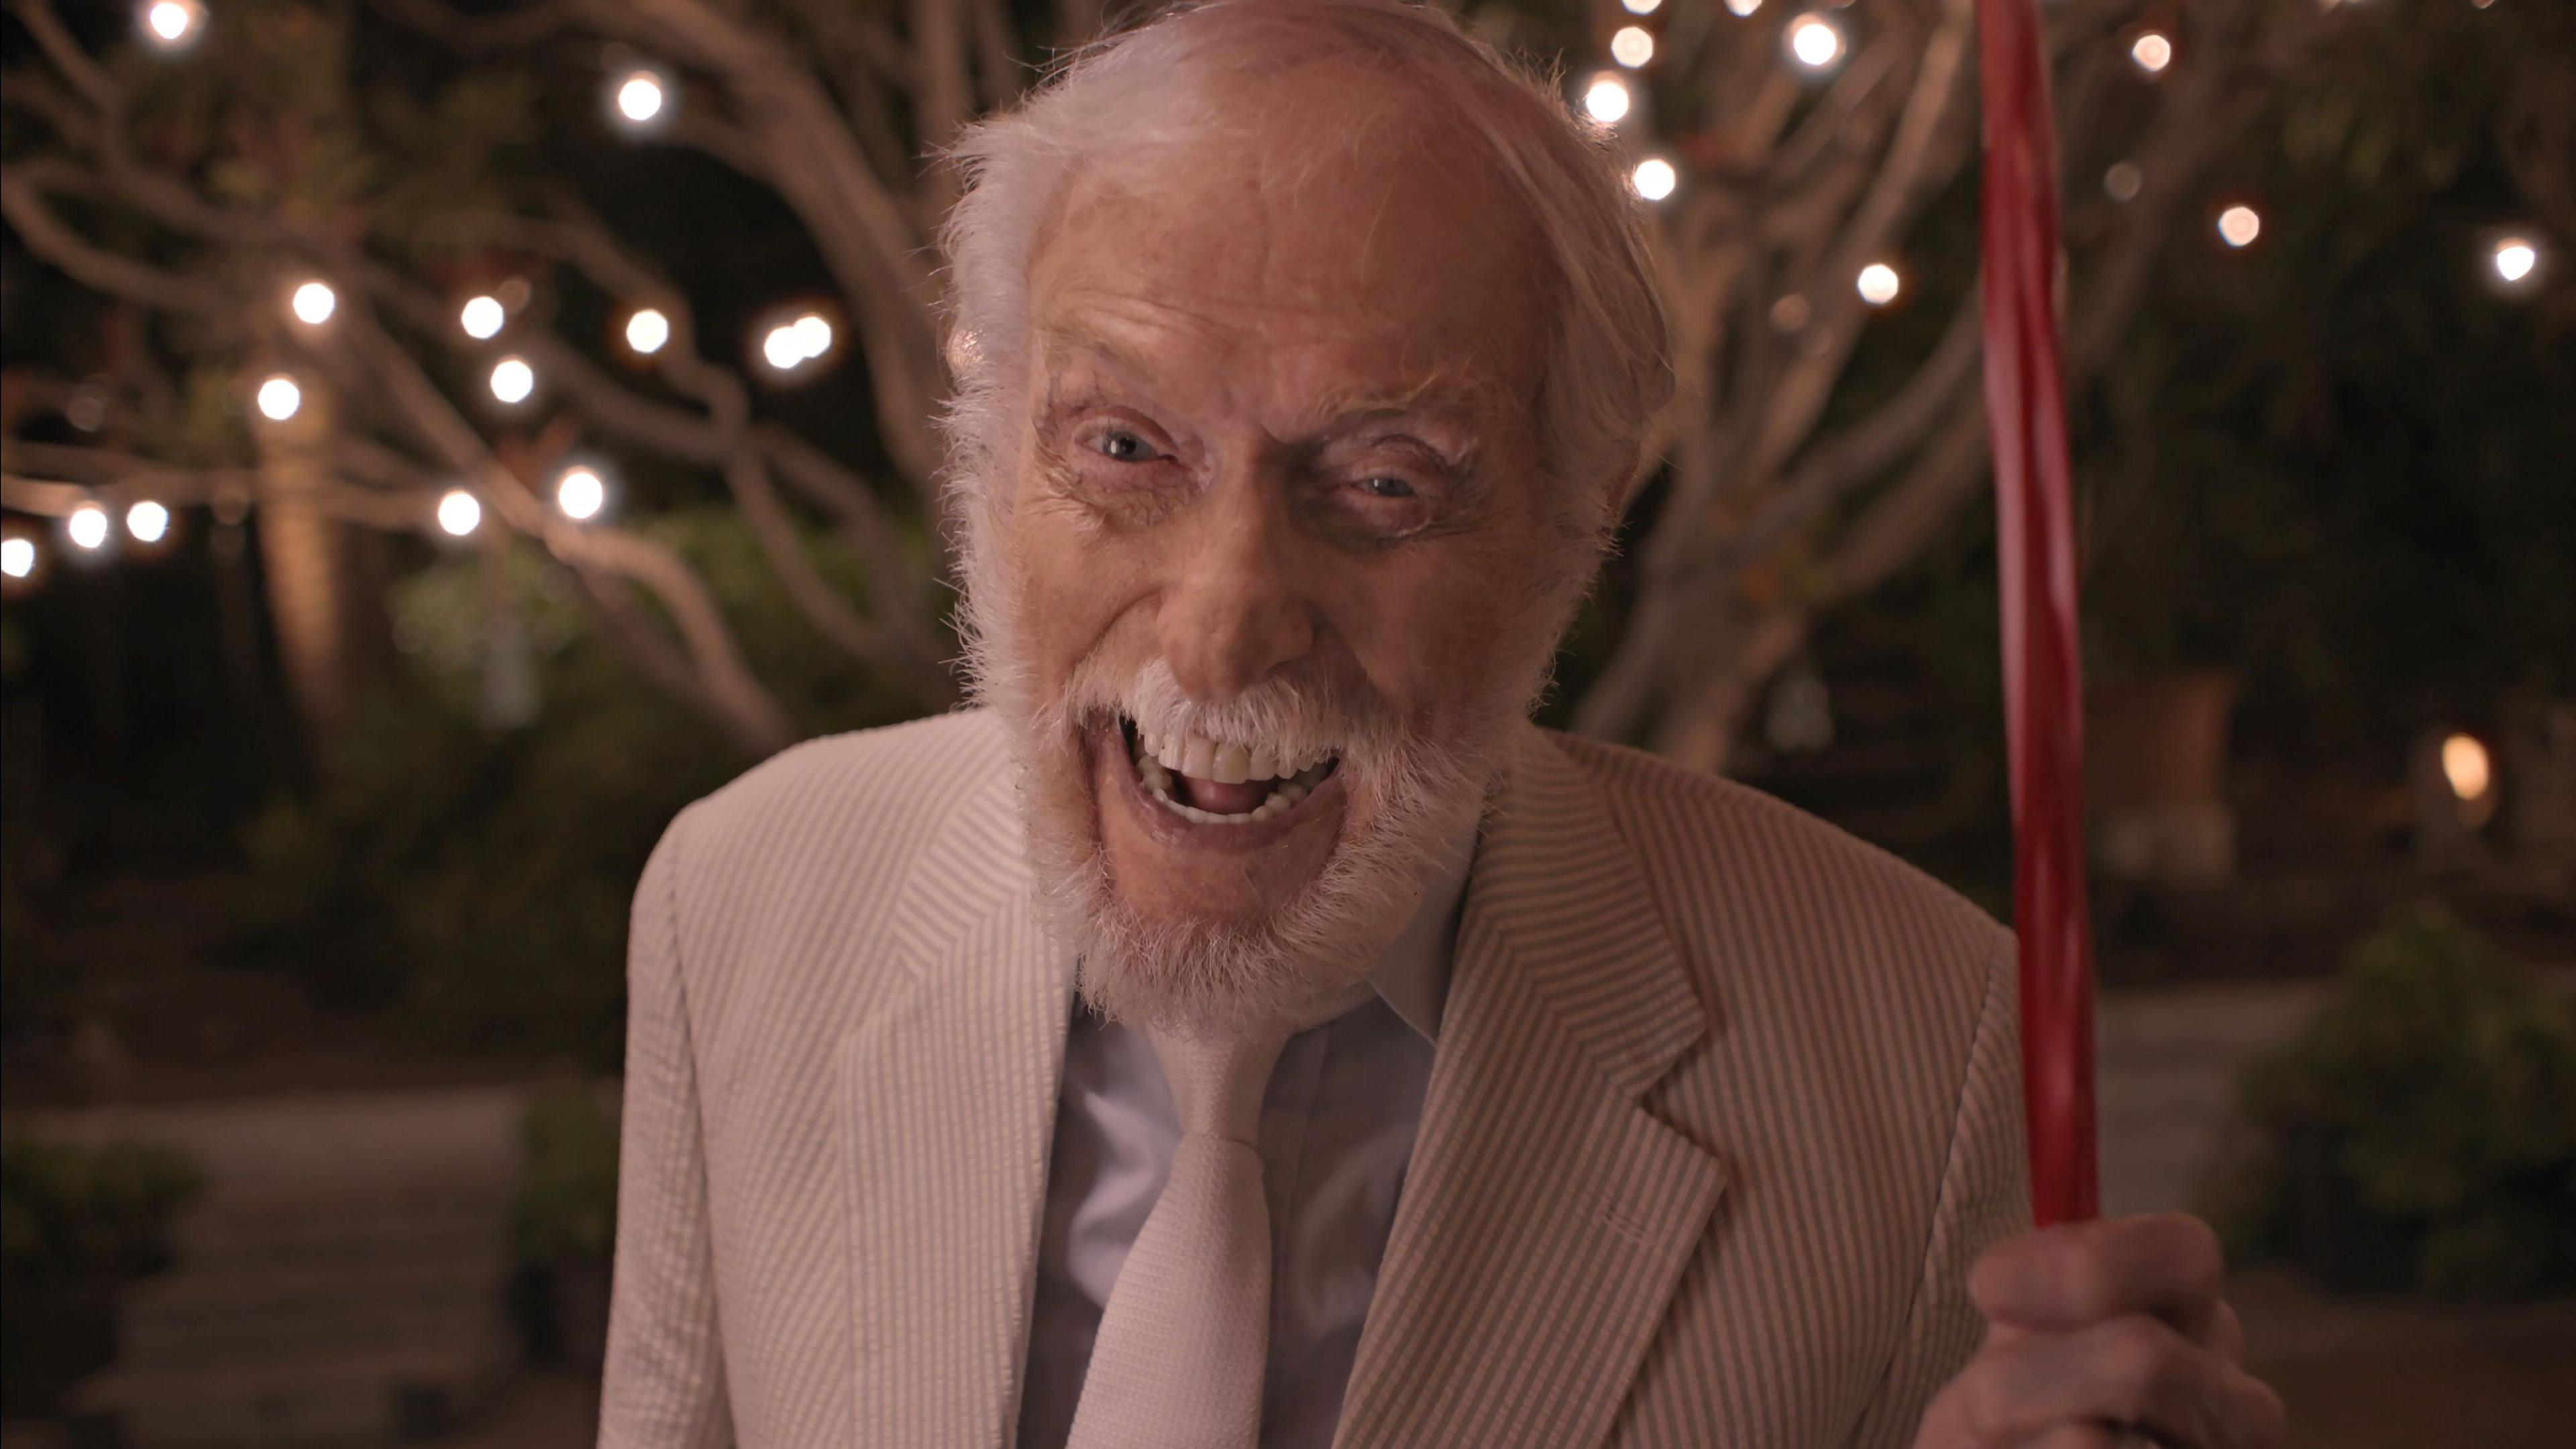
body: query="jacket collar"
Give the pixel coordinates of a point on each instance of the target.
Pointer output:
(1547, 1214)
(1560, 884)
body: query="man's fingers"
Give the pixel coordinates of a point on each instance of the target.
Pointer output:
(2223, 1334)
(2079, 1273)
(2133, 1369)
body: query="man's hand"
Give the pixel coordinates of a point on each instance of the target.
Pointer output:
(2100, 1332)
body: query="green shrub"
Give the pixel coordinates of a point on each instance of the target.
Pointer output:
(2423, 1131)
(567, 1199)
(76, 1222)
(472, 879)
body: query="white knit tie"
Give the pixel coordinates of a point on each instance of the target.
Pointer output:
(1185, 1338)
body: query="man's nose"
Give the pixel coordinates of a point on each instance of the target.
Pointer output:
(1235, 611)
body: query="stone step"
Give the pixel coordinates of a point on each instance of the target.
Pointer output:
(251, 1228)
(367, 1142)
(355, 1397)
(200, 1319)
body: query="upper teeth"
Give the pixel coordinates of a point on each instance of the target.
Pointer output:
(1229, 763)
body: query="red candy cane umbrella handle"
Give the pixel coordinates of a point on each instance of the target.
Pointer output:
(2035, 548)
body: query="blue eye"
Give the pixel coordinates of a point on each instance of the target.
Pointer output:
(1383, 487)
(1124, 447)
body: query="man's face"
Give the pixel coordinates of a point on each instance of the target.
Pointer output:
(1278, 519)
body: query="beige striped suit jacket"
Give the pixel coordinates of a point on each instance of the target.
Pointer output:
(1724, 1104)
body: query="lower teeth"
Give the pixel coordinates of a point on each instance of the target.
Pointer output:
(1283, 797)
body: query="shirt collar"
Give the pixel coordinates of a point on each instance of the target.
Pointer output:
(1412, 974)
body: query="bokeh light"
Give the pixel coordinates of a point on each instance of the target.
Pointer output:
(513, 380)
(87, 526)
(1654, 178)
(1878, 284)
(1632, 46)
(279, 398)
(458, 513)
(1606, 99)
(2152, 52)
(481, 317)
(642, 98)
(17, 557)
(580, 493)
(1814, 41)
(813, 334)
(2123, 181)
(2466, 766)
(173, 25)
(2238, 225)
(147, 521)
(2515, 259)
(648, 330)
(314, 302)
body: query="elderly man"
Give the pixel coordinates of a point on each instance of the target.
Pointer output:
(1246, 1027)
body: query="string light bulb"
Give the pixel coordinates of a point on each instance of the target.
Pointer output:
(481, 317)
(279, 398)
(2238, 225)
(1632, 46)
(1743, 8)
(783, 349)
(513, 380)
(580, 493)
(1878, 284)
(1642, 7)
(2152, 52)
(2515, 259)
(314, 302)
(1814, 41)
(147, 522)
(172, 25)
(2466, 766)
(87, 526)
(648, 330)
(813, 334)
(1654, 178)
(17, 557)
(641, 98)
(458, 513)
(1606, 99)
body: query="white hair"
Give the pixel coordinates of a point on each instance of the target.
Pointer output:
(1610, 365)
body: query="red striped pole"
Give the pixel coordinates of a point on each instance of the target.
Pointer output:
(2035, 547)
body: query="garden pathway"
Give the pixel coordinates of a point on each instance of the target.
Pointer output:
(323, 1211)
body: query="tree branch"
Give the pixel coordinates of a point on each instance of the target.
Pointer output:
(56, 243)
(86, 75)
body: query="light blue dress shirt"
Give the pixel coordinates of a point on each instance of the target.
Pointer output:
(1337, 1127)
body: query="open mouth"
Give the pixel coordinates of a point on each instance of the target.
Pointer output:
(1221, 782)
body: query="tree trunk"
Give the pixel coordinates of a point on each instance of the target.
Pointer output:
(301, 553)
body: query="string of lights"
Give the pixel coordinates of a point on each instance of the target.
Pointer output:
(1816, 43)
(641, 97)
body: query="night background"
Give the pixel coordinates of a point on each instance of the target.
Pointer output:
(359, 641)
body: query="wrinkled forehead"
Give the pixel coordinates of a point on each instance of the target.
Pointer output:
(1314, 209)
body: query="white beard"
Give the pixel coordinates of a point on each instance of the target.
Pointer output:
(1414, 798)
(1411, 809)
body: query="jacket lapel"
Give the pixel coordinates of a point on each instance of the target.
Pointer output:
(1547, 1214)
(948, 1090)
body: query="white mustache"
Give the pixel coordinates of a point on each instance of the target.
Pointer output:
(1294, 717)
